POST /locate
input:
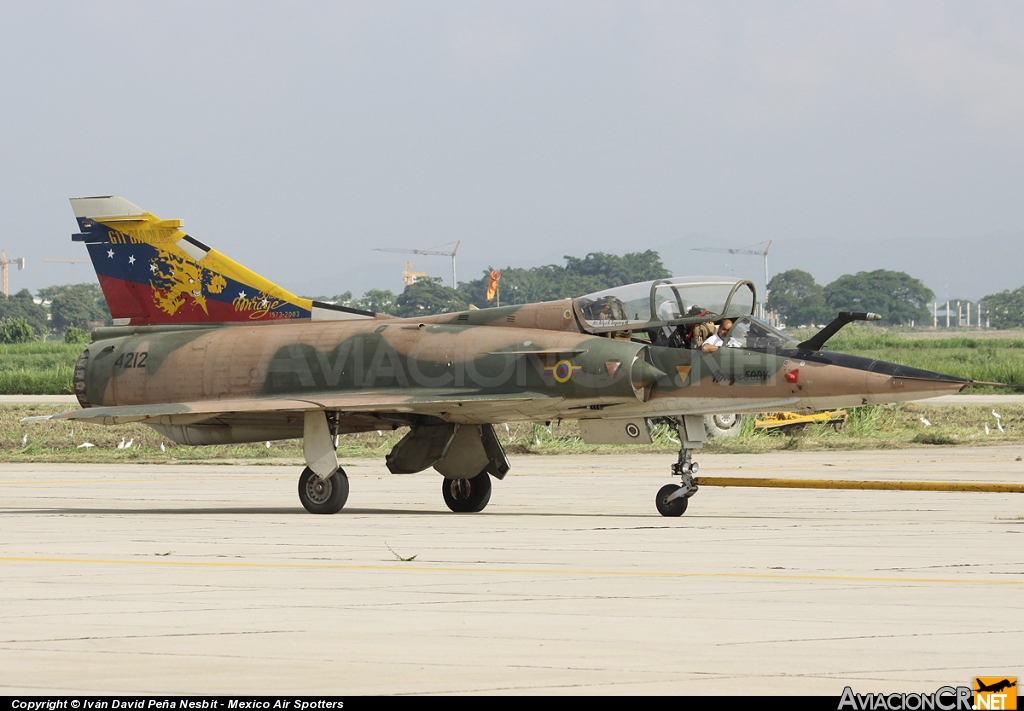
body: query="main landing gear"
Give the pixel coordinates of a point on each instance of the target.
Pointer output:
(672, 499)
(323, 496)
(328, 496)
(466, 455)
(323, 486)
(467, 495)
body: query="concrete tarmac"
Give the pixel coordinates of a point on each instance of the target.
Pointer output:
(170, 579)
(70, 402)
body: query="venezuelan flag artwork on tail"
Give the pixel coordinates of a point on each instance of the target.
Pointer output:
(152, 273)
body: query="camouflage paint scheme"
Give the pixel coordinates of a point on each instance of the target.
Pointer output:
(466, 373)
(208, 352)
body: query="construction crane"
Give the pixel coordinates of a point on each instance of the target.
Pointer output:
(69, 261)
(5, 264)
(746, 250)
(431, 252)
(409, 276)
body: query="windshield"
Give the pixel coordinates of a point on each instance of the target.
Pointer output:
(754, 334)
(665, 302)
(624, 306)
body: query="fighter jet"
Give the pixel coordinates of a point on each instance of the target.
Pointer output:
(206, 352)
(997, 687)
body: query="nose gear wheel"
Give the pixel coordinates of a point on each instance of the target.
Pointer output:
(667, 506)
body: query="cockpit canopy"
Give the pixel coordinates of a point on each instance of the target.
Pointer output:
(665, 302)
(756, 335)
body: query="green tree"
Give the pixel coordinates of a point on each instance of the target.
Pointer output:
(339, 299)
(629, 268)
(16, 330)
(76, 335)
(427, 297)
(23, 306)
(80, 305)
(579, 276)
(798, 299)
(72, 309)
(896, 296)
(1006, 309)
(381, 301)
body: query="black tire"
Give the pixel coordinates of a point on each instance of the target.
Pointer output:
(467, 495)
(723, 425)
(323, 496)
(675, 507)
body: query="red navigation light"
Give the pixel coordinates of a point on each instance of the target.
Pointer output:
(793, 376)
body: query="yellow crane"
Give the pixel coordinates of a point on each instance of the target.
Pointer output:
(5, 264)
(434, 252)
(409, 276)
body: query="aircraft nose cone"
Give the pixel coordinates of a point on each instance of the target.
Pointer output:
(905, 371)
(890, 382)
(902, 381)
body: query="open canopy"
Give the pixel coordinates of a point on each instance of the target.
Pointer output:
(665, 302)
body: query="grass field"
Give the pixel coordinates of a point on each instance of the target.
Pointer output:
(999, 360)
(38, 368)
(885, 427)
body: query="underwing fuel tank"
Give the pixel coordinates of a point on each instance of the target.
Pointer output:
(218, 433)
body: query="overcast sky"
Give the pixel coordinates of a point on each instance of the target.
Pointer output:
(297, 136)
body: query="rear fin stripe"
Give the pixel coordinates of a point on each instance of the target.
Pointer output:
(197, 243)
(346, 309)
(191, 248)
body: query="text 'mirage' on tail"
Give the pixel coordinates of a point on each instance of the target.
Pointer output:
(152, 272)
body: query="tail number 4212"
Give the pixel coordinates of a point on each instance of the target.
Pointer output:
(132, 360)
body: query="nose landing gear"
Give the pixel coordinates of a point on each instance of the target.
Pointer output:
(672, 499)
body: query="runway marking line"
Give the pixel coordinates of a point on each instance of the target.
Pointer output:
(154, 480)
(891, 485)
(527, 571)
(158, 478)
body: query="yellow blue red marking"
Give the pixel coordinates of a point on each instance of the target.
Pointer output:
(563, 370)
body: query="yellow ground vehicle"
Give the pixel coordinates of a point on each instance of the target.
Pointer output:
(772, 420)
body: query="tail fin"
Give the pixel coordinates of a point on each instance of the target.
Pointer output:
(153, 273)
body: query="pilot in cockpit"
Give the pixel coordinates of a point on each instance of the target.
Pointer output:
(718, 338)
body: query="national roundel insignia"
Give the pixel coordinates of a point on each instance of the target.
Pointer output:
(563, 370)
